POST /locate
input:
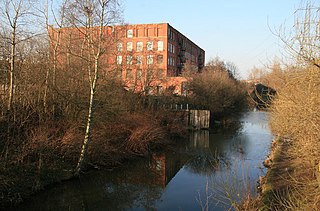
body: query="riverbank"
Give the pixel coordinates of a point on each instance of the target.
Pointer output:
(212, 160)
(291, 183)
(47, 153)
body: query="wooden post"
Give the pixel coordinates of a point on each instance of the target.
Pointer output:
(199, 119)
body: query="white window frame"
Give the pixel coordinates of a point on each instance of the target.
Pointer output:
(119, 46)
(139, 46)
(129, 46)
(150, 59)
(139, 60)
(129, 59)
(149, 46)
(139, 74)
(119, 59)
(160, 45)
(129, 33)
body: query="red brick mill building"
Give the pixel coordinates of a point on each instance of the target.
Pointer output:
(147, 58)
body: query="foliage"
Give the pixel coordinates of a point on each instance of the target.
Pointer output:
(295, 116)
(217, 91)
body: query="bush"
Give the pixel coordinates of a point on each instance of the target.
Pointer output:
(218, 92)
(295, 117)
(295, 113)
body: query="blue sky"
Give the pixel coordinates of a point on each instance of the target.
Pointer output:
(235, 30)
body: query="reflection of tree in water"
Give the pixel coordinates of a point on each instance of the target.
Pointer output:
(231, 126)
(125, 196)
(135, 185)
(203, 164)
(207, 162)
(203, 160)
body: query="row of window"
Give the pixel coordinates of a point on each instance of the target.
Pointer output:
(145, 32)
(150, 73)
(139, 46)
(139, 59)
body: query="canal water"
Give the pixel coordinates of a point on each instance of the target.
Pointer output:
(207, 170)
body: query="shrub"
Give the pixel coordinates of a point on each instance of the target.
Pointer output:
(218, 92)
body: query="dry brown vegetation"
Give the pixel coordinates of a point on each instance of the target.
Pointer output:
(48, 152)
(295, 118)
(217, 90)
(293, 180)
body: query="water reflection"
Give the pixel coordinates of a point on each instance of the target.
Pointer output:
(203, 160)
(173, 180)
(136, 185)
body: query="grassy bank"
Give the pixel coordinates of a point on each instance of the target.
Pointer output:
(292, 181)
(41, 154)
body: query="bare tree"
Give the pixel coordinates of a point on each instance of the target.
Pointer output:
(14, 15)
(90, 20)
(302, 40)
(54, 35)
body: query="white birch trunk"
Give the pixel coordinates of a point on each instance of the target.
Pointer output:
(93, 83)
(12, 67)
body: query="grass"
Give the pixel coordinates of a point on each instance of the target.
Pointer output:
(292, 182)
(47, 153)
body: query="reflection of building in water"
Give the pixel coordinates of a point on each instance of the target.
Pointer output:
(157, 171)
(165, 167)
(203, 160)
(199, 139)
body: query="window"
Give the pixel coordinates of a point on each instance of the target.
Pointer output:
(171, 48)
(160, 45)
(119, 47)
(149, 74)
(129, 59)
(139, 46)
(184, 89)
(139, 60)
(119, 73)
(129, 74)
(149, 46)
(129, 46)
(159, 59)
(159, 90)
(171, 61)
(149, 59)
(119, 59)
(160, 74)
(129, 33)
(139, 74)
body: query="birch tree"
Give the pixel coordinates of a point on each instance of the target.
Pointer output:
(14, 16)
(54, 35)
(90, 19)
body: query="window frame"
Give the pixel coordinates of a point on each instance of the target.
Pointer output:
(129, 46)
(149, 45)
(129, 33)
(139, 46)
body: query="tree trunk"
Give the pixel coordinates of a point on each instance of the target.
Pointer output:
(87, 137)
(12, 67)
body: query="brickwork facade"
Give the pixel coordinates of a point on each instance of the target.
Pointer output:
(147, 57)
